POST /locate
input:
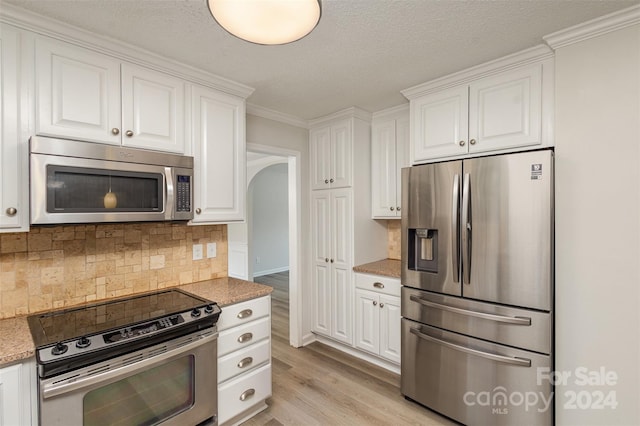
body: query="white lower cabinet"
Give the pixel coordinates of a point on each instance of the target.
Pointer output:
(244, 360)
(18, 389)
(377, 323)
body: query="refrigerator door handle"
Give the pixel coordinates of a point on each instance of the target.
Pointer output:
(483, 315)
(455, 229)
(466, 232)
(520, 362)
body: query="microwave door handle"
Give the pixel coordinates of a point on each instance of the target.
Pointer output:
(466, 231)
(170, 194)
(455, 229)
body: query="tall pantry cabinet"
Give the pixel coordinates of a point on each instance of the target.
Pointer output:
(343, 233)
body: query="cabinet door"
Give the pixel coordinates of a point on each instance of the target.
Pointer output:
(383, 170)
(440, 124)
(505, 111)
(341, 304)
(390, 328)
(219, 147)
(14, 182)
(320, 147)
(367, 334)
(320, 212)
(15, 394)
(78, 93)
(152, 110)
(341, 264)
(402, 157)
(341, 154)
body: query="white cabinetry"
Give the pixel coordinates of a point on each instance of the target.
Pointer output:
(377, 322)
(14, 179)
(331, 153)
(389, 154)
(219, 149)
(504, 105)
(18, 394)
(244, 360)
(332, 231)
(85, 95)
(343, 232)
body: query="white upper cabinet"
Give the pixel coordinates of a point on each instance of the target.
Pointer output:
(331, 155)
(505, 105)
(14, 207)
(152, 110)
(85, 95)
(219, 150)
(389, 154)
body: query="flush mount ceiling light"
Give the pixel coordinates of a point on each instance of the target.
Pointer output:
(267, 21)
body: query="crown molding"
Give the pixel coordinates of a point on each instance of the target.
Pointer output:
(397, 110)
(594, 28)
(274, 115)
(528, 56)
(44, 26)
(352, 112)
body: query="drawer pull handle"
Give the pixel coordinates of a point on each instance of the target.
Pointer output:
(378, 285)
(245, 362)
(245, 337)
(245, 314)
(247, 394)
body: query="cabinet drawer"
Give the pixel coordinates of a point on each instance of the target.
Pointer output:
(243, 393)
(243, 360)
(377, 283)
(244, 312)
(242, 336)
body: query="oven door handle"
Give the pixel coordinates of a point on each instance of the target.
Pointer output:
(53, 390)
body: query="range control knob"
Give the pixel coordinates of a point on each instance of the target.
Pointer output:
(195, 313)
(208, 309)
(59, 349)
(83, 342)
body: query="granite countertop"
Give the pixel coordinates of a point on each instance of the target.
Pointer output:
(16, 343)
(385, 267)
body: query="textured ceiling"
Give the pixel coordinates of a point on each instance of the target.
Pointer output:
(362, 53)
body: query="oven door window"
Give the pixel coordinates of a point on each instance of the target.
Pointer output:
(146, 398)
(86, 190)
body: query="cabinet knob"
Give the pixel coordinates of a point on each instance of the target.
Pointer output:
(128, 133)
(331, 180)
(115, 131)
(326, 181)
(381, 305)
(391, 208)
(331, 260)
(11, 211)
(398, 208)
(198, 211)
(472, 141)
(326, 259)
(375, 303)
(461, 143)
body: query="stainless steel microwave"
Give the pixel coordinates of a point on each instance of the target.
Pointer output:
(81, 182)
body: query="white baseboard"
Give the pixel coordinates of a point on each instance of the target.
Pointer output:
(270, 271)
(394, 368)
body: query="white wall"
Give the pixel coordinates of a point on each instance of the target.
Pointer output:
(270, 220)
(263, 131)
(598, 224)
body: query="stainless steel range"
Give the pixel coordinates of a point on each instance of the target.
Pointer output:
(141, 360)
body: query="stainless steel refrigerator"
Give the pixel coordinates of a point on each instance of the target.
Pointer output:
(477, 296)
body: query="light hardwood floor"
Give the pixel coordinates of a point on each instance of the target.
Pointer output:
(319, 385)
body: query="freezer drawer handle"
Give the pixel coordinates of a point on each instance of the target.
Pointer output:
(521, 362)
(492, 317)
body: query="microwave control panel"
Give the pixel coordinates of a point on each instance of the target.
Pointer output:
(183, 194)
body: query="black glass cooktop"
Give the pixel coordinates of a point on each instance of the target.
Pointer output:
(68, 324)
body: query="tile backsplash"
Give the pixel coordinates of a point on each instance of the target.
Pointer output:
(58, 266)
(393, 237)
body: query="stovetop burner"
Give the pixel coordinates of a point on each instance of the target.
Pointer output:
(85, 334)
